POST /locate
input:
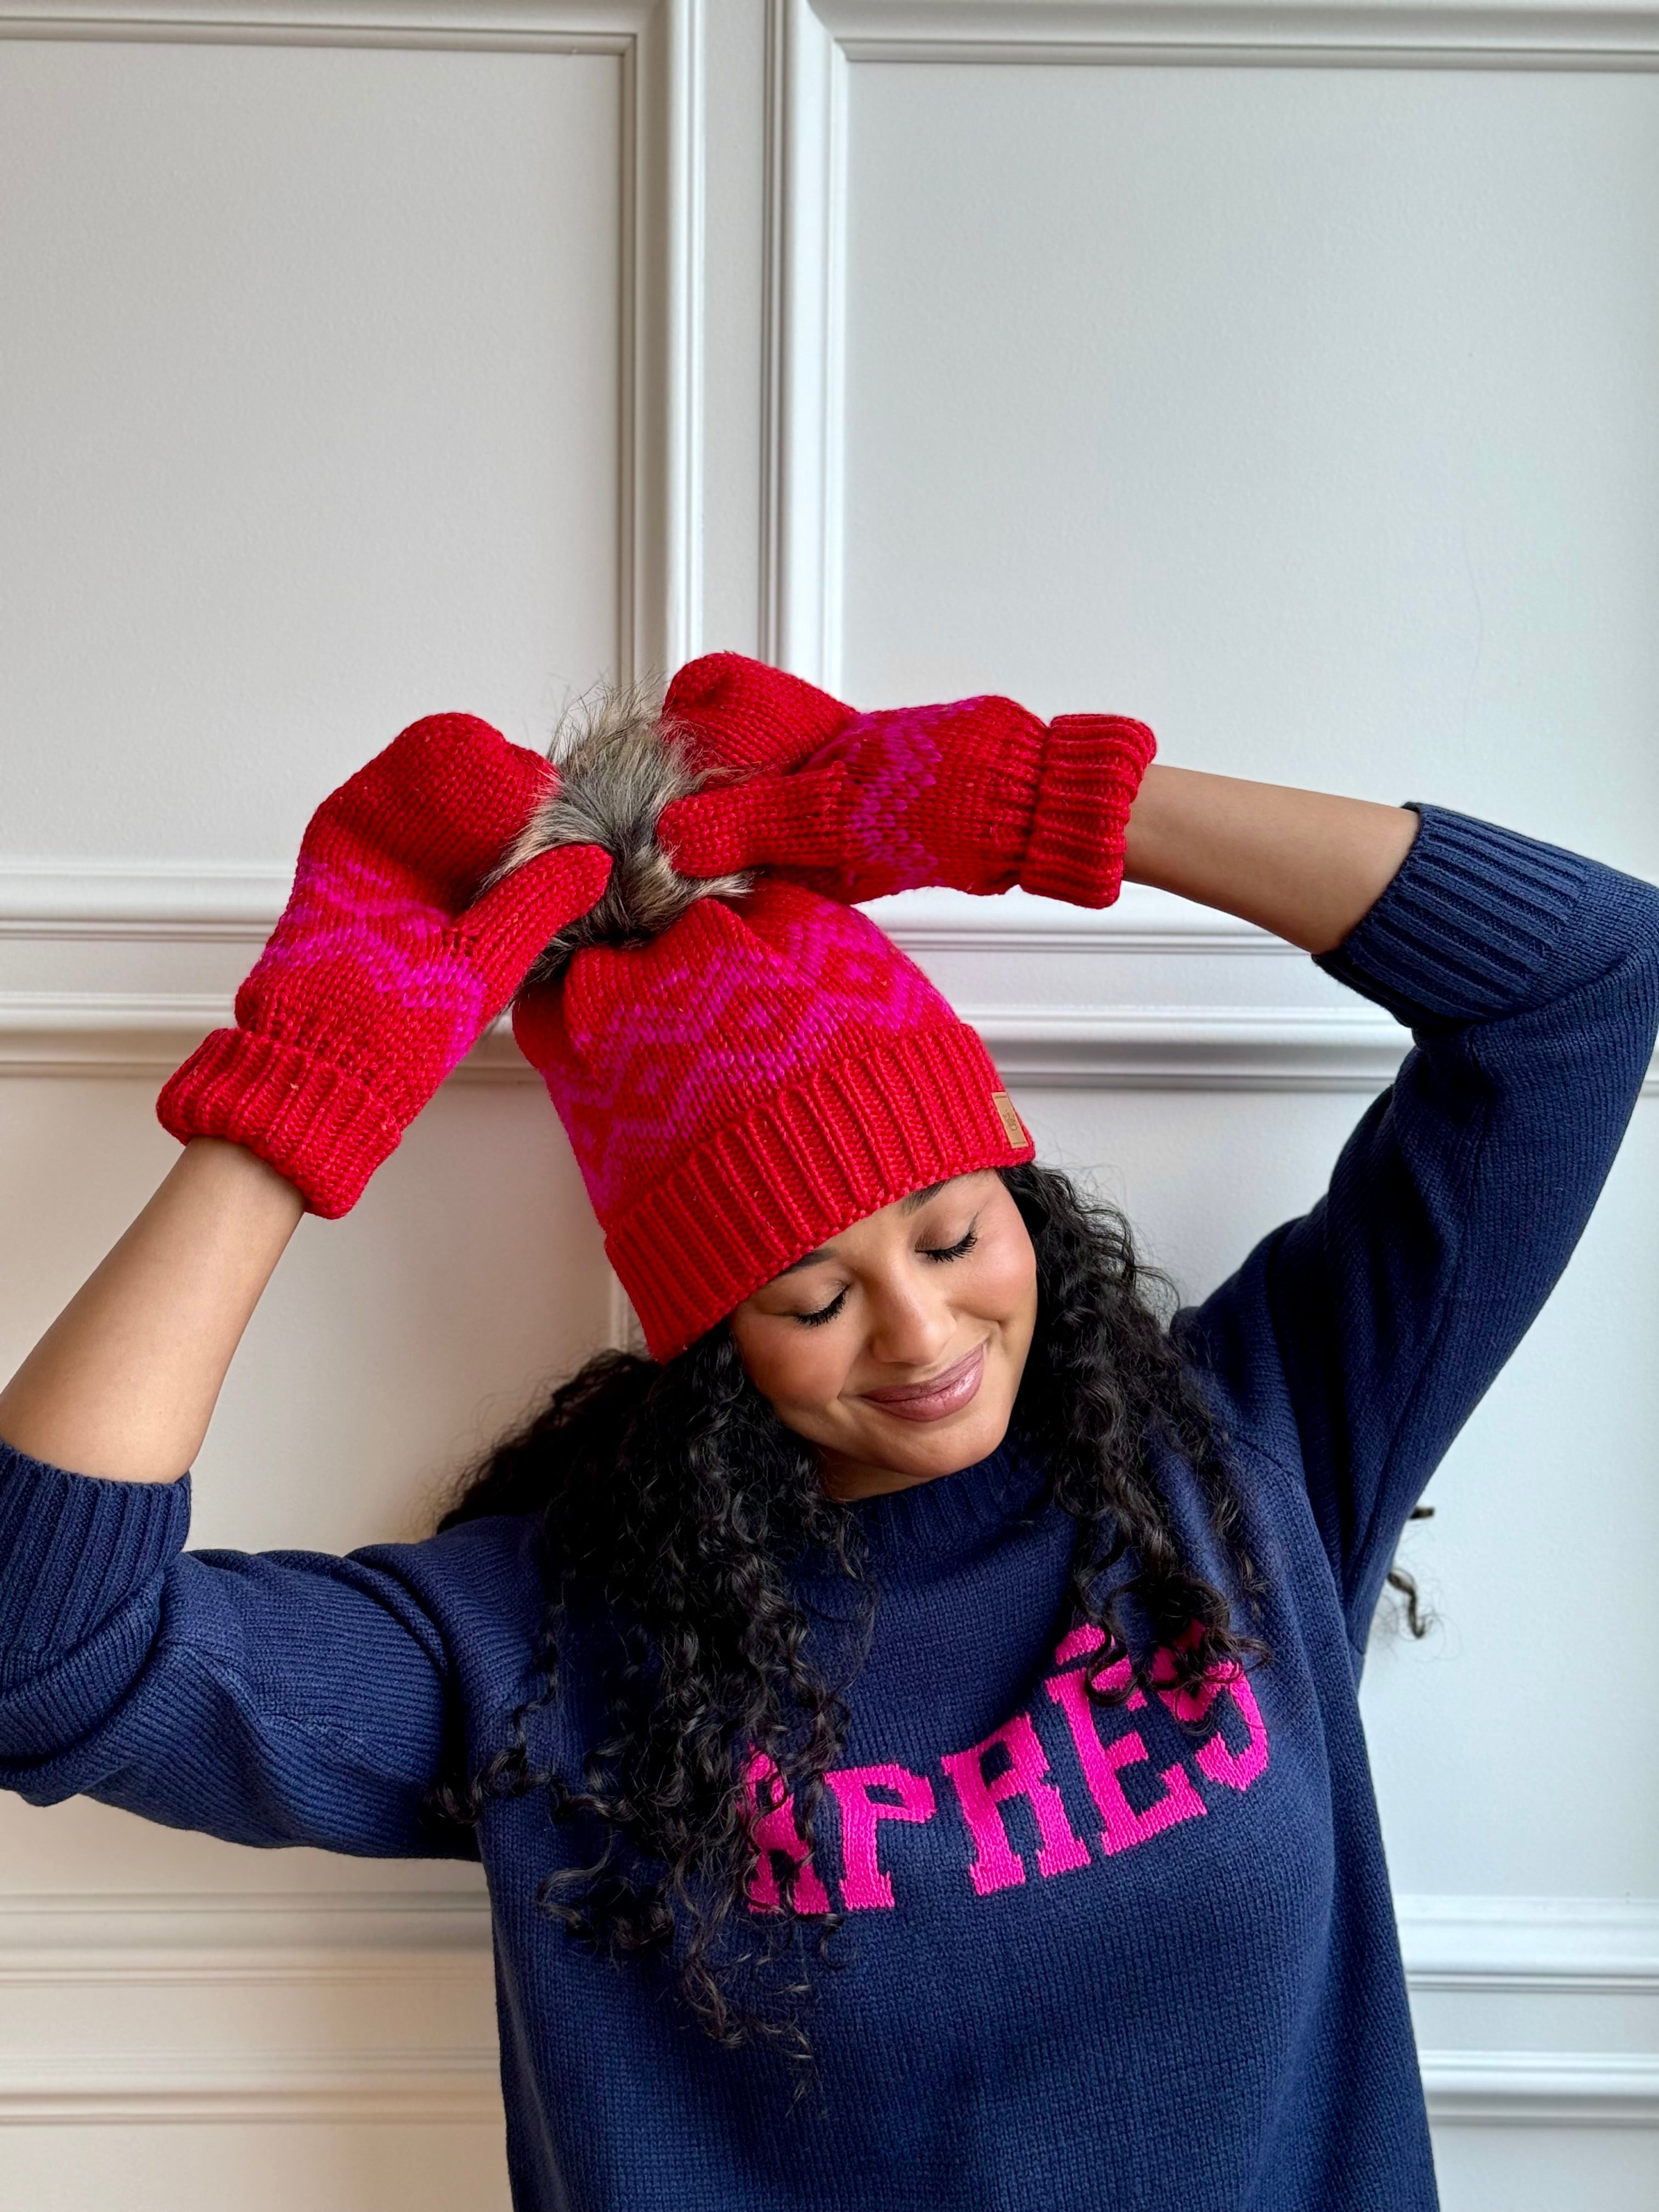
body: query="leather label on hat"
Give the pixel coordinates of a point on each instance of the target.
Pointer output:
(1013, 1128)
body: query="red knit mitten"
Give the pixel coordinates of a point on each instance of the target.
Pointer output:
(384, 970)
(976, 794)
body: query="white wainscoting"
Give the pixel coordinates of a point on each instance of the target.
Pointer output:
(817, 43)
(393, 1991)
(658, 45)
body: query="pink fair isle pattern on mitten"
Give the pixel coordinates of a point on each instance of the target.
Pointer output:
(384, 969)
(977, 794)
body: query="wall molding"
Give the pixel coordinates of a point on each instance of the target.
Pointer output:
(1186, 1048)
(199, 902)
(813, 45)
(406, 2089)
(803, 325)
(1575, 1945)
(401, 1947)
(516, 26)
(659, 46)
(1087, 1022)
(111, 1935)
(1486, 2088)
(1388, 33)
(222, 901)
(1540, 2088)
(1483, 1944)
(1281, 1050)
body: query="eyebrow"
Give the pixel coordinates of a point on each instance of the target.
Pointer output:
(914, 1204)
(918, 1199)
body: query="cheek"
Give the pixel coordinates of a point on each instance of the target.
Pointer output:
(791, 1365)
(1004, 1284)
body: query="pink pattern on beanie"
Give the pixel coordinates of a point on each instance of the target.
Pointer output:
(755, 1079)
(770, 1068)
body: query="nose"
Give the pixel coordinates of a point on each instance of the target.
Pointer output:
(911, 1319)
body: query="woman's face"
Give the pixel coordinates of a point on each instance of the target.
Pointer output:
(898, 1346)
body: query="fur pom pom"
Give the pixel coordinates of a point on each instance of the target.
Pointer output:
(620, 763)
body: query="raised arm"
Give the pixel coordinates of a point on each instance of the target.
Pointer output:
(284, 1696)
(981, 795)
(383, 970)
(1307, 865)
(124, 1382)
(1355, 1340)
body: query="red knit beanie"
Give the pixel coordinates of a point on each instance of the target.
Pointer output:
(750, 1083)
(745, 1064)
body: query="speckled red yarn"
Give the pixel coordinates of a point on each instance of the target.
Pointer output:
(384, 968)
(978, 795)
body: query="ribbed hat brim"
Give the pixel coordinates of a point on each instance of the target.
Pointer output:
(849, 1137)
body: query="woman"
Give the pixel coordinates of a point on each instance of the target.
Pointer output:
(909, 1722)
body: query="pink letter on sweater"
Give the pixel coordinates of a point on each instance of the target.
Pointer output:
(862, 1880)
(1085, 1639)
(775, 1831)
(996, 1866)
(1237, 1769)
(1100, 1763)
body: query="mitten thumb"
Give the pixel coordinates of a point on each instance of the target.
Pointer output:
(509, 925)
(744, 713)
(796, 822)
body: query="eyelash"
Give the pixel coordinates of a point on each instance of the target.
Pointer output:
(956, 1251)
(943, 1252)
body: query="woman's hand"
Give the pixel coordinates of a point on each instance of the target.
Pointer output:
(982, 795)
(385, 967)
(978, 795)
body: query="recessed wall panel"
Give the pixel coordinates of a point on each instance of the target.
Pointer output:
(309, 417)
(1309, 414)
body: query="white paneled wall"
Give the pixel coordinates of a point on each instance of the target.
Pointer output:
(1285, 377)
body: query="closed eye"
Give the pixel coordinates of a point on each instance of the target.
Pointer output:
(824, 1313)
(956, 1251)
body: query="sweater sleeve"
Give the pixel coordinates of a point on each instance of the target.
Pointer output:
(1356, 1340)
(269, 1698)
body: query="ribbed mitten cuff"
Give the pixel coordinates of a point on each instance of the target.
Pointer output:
(314, 1123)
(1092, 766)
(1467, 924)
(73, 1548)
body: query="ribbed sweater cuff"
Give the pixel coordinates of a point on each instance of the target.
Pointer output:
(1467, 924)
(73, 1548)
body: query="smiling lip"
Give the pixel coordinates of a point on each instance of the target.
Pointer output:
(932, 1400)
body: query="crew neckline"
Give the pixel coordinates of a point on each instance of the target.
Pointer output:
(953, 1512)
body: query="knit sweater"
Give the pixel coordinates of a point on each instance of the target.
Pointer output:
(1091, 1957)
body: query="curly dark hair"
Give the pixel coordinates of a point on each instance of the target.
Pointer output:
(673, 1499)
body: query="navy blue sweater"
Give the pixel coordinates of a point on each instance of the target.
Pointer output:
(1093, 1959)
